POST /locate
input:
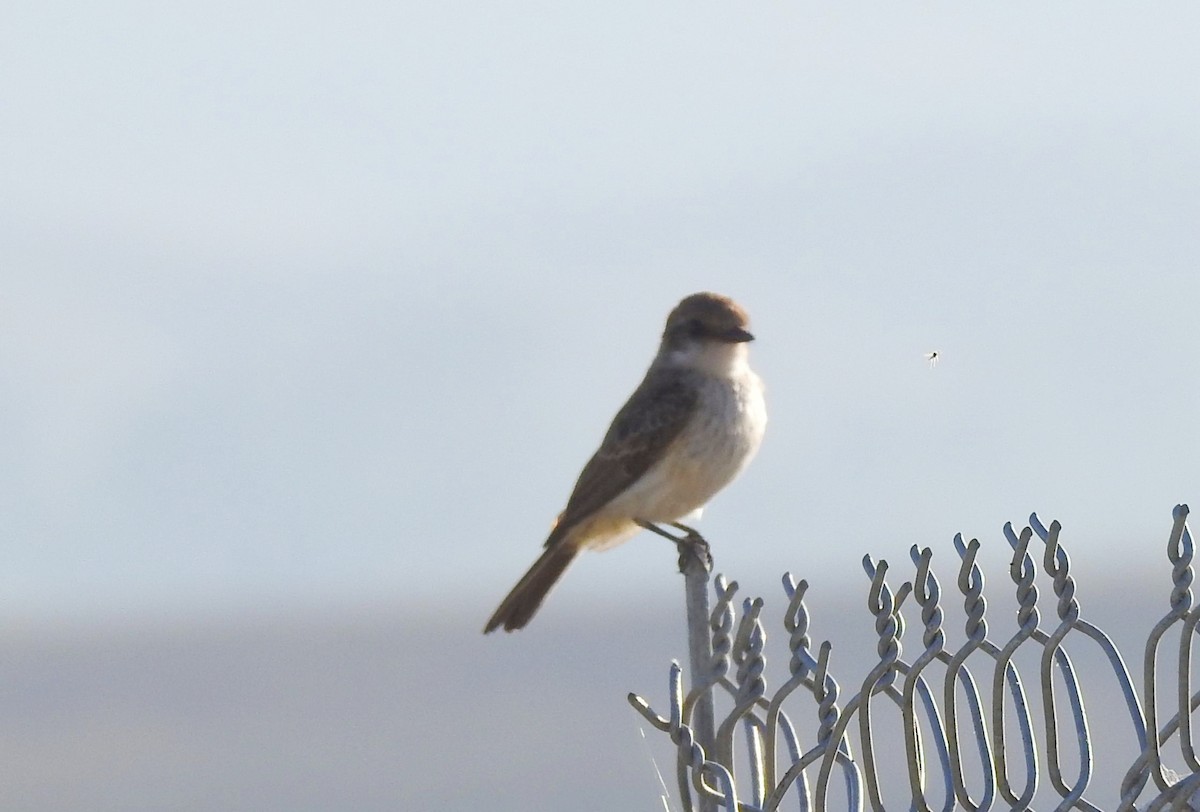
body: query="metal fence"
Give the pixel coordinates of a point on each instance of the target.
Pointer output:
(993, 724)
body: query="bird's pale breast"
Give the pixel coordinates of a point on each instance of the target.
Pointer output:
(716, 445)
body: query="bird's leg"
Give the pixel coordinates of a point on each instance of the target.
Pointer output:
(691, 545)
(654, 528)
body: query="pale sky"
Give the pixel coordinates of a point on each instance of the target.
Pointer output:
(332, 303)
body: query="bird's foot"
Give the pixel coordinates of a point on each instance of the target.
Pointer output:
(691, 545)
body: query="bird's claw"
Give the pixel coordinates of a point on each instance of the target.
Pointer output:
(694, 547)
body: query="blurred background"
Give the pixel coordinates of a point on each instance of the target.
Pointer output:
(310, 314)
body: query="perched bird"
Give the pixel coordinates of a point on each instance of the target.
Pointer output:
(689, 428)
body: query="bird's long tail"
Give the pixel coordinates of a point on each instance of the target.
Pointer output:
(522, 603)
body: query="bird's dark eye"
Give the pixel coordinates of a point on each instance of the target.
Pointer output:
(695, 327)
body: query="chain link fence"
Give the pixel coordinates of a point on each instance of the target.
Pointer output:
(1000, 722)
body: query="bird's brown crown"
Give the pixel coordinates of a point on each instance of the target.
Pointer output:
(708, 315)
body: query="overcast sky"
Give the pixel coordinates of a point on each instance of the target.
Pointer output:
(317, 303)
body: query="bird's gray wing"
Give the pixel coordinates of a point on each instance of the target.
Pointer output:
(650, 420)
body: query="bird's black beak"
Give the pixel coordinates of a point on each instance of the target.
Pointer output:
(737, 335)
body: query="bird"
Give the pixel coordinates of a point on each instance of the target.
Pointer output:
(689, 428)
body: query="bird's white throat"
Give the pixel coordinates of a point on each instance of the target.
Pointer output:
(717, 358)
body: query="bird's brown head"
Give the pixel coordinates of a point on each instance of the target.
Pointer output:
(707, 317)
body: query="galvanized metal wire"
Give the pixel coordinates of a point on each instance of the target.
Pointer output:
(971, 738)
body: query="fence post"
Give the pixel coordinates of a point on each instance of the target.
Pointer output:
(696, 565)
